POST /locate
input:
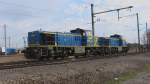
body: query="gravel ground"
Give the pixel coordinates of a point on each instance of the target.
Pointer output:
(12, 58)
(111, 67)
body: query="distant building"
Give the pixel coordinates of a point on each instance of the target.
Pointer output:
(7, 51)
(147, 37)
(0, 51)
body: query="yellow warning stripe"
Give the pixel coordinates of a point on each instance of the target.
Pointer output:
(72, 46)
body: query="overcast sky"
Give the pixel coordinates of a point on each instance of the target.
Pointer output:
(22, 16)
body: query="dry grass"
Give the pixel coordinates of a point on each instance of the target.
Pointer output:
(130, 74)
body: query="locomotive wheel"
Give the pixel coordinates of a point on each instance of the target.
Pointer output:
(76, 56)
(55, 57)
(87, 53)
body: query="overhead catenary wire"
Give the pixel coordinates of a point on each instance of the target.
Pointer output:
(93, 15)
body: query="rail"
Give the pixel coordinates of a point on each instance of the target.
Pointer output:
(23, 64)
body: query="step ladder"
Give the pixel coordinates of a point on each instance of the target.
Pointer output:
(44, 52)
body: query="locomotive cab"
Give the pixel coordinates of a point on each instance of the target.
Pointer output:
(41, 38)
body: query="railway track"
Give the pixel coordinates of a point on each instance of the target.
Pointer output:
(23, 64)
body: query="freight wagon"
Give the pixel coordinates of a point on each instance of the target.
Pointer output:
(43, 44)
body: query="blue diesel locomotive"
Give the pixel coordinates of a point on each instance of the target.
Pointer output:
(78, 42)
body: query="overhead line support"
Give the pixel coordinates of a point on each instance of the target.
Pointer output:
(93, 15)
